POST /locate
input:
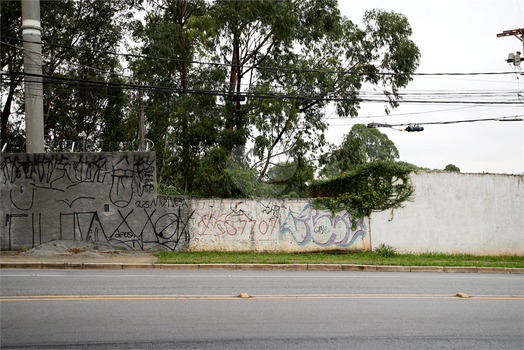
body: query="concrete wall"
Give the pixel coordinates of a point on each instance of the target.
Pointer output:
(107, 197)
(457, 213)
(110, 197)
(290, 225)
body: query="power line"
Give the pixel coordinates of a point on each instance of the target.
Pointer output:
(69, 62)
(412, 95)
(517, 118)
(269, 68)
(393, 126)
(416, 97)
(264, 95)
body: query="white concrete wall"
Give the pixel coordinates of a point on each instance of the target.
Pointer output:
(289, 225)
(457, 213)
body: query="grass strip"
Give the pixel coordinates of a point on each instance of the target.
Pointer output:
(359, 258)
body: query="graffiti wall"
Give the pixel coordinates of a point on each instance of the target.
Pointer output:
(111, 197)
(272, 225)
(107, 197)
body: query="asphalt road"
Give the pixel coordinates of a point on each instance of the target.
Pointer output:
(187, 309)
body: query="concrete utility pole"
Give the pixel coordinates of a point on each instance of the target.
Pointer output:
(141, 146)
(34, 99)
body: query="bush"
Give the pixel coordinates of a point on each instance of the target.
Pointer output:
(385, 250)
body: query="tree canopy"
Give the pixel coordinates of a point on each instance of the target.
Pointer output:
(452, 167)
(233, 91)
(361, 145)
(77, 37)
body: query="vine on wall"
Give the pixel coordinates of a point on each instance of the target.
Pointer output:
(376, 186)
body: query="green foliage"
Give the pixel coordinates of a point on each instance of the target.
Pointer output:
(355, 257)
(291, 194)
(361, 145)
(169, 190)
(245, 178)
(293, 177)
(453, 168)
(413, 167)
(113, 117)
(385, 250)
(376, 186)
(98, 27)
(10, 61)
(186, 129)
(212, 178)
(285, 179)
(194, 132)
(311, 35)
(377, 146)
(95, 28)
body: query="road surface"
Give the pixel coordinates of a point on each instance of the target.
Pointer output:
(187, 309)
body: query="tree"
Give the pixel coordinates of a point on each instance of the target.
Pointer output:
(326, 57)
(113, 117)
(361, 145)
(185, 127)
(451, 167)
(291, 178)
(377, 145)
(293, 126)
(11, 62)
(343, 158)
(77, 39)
(194, 112)
(79, 36)
(246, 35)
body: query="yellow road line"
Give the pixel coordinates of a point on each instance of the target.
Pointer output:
(285, 296)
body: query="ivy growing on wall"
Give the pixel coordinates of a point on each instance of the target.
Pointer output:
(375, 186)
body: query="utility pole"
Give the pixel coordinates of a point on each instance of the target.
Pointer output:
(515, 58)
(519, 34)
(141, 146)
(34, 99)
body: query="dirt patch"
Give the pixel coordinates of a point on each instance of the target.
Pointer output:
(78, 252)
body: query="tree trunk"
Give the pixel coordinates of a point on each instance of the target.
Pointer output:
(6, 111)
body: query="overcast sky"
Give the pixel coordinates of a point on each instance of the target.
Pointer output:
(458, 36)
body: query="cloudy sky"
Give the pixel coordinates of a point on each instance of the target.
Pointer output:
(458, 36)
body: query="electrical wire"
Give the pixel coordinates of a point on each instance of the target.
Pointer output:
(372, 93)
(264, 67)
(263, 95)
(517, 118)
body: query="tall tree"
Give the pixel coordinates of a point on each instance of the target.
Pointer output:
(249, 33)
(79, 35)
(10, 62)
(452, 167)
(317, 56)
(360, 146)
(76, 36)
(343, 158)
(113, 114)
(377, 145)
(326, 58)
(184, 125)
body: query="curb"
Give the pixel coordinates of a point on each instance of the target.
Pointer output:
(258, 267)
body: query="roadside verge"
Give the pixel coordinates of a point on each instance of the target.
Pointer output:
(266, 267)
